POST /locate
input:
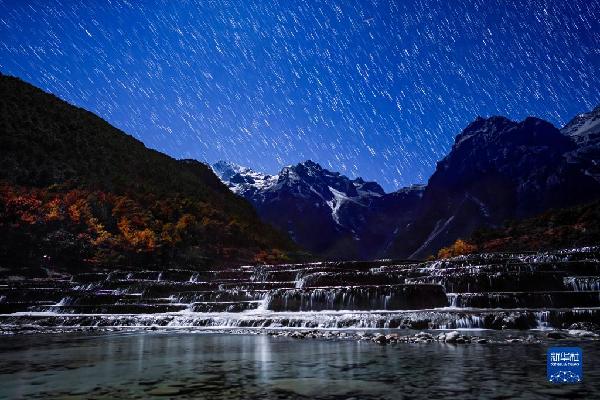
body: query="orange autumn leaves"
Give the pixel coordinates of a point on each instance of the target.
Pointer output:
(458, 248)
(98, 217)
(106, 226)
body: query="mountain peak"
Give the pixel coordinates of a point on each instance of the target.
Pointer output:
(500, 129)
(242, 179)
(308, 168)
(227, 168)
(308, 188)
(483, 125)
(311, 164)
(584, 127)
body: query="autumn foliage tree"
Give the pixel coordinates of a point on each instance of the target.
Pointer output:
(102, 228)
(458, 248)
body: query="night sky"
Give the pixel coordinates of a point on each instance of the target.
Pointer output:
(376, 89)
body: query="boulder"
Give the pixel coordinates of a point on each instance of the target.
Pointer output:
(424, 335)
(555, 335)
(380, 338)
(585, 326)
(452, 337)
(582, 333)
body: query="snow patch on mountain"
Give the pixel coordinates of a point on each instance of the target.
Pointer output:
(307, 180)
(338, 200)
(437, 230)
(584, 127)
(242, 179)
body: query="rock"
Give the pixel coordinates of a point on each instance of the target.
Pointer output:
(582, 333)
(419, 324)
(452, 337)
(441, 337)
(585, 326)
(555, 335)
(298, 335)
(482, 341)
(424, 335)
(380, 338)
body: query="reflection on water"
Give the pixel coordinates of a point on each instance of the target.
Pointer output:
(215, 366)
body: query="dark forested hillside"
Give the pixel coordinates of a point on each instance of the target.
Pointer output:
(554, 229)
(498, 170)
(75, 188)
(577, 226)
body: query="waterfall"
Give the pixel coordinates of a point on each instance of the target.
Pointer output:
(495, 291)
(583, 283)
(452, 299)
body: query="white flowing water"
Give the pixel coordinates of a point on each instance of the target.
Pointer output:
(491, 291)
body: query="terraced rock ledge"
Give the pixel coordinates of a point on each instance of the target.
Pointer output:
(559, 290)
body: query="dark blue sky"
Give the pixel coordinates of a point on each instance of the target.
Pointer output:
(376, 89)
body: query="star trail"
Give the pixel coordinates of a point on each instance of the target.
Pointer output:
(376, 89)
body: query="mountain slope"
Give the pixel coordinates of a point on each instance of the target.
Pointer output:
(323, 211)
(584, 127)
(497, 170)
(585, 130)
(135, 204)
(570, 227)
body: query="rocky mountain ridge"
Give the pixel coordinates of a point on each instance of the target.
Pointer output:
(497, 170)
(353, 217)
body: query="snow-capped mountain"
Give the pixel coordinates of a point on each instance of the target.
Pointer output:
(324, 211)
(308, 180)
(242, 180)
(497, 170)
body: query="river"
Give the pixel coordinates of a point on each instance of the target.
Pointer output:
(246, 366)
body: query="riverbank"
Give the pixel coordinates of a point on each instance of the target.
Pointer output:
(577, 333)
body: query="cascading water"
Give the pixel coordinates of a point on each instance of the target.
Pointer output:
(496, 291)
(583, 283)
